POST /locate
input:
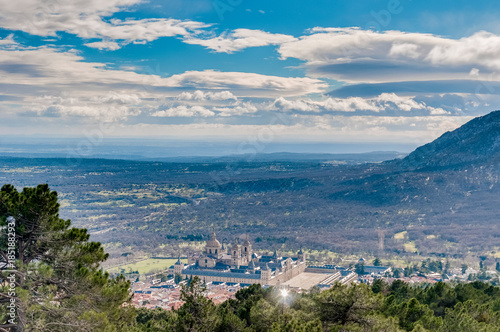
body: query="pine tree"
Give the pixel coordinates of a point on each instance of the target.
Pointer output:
(59, 283)
(197, 313)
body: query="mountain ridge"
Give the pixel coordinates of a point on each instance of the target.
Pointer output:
(477, 141)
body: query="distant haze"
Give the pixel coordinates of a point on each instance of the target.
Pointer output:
(148, 149)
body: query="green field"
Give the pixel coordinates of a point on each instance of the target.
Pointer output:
(146, 266)
(410, 247)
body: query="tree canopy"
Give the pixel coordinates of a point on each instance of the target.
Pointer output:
(382, 307)
(58, 282)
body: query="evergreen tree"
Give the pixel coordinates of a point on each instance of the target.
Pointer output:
(177, 278)
(343, 304)
(156, 320)
(398, 307)
(197, 313)
(359, 268)
(380, 286)
(59, 283)
(413, 313)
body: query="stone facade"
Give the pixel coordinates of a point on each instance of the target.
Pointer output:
(240, 264)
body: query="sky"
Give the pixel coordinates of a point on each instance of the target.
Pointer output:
(366, 72)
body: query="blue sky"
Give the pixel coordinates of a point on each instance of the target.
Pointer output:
(327, 71)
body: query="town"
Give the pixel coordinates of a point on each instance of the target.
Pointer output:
(224, 271)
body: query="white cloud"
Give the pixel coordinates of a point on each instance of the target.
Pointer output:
(145, 30)
(355, 55)
(109, 107)
(297, 105)
(240, 39)
(222, 108)
(118, 98)
(382, 103)
(91, 20)
(104, 45)
(54, 69)
(405, 50)
(47, 69)
(249, 84)
(242, 109)
(8, 41)
(75, 88)
(352, 104)
(206, 95)
(57, 85)
(184, 111)
(85, 19)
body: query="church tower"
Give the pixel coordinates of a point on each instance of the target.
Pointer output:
(213, 247)
(247, 251)
(236, 254)
(301, 255)
(275, 256)
(178, 267)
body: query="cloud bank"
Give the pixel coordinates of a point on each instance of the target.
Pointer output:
(353, 55)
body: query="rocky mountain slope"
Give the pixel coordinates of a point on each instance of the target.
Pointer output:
(477, 141)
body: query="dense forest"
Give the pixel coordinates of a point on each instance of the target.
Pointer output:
(381, 307)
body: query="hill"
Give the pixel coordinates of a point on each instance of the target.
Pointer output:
(476, 142)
